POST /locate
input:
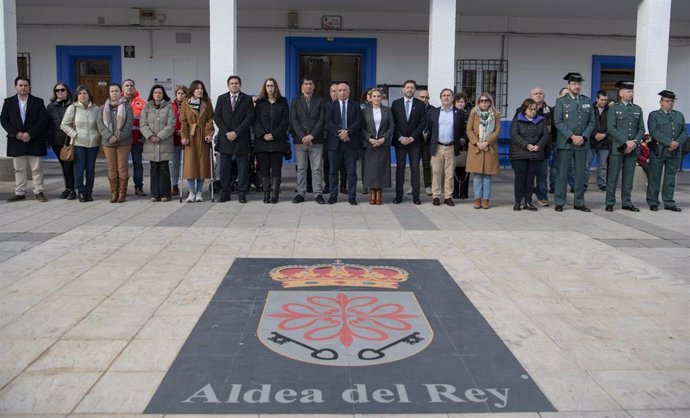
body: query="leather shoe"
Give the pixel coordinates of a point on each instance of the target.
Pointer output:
(319, 200)
(609, 208)
(529, 206)
(437, 201)
(64, 194)
(243, 198)
(517, 207)
(673, 208)
(559, 208)
(17, 198)
(332, 200)
(398, 199)
(631, 208)
(449, 202)
(582, 208)
(416, 201)
(224, 198)
(352, 201)
(654, 208)
(298, 199)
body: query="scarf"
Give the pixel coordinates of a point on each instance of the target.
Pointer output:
(487, 124)
(121, 115)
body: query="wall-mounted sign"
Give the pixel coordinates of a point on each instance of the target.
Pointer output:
(329, 22)
(129, 51)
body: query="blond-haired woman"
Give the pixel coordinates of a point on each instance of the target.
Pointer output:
(483, 130)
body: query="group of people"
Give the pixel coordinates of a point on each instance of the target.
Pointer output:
(446, 143)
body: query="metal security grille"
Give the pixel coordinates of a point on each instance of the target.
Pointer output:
(23, 64)
(477, 76)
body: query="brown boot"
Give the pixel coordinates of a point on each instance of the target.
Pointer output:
(477, 203)
(485, 203)
(114, 189)
(379, 196)
(123, 189)
(372, 196)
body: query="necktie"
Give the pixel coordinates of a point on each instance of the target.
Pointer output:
(343, 116)
(308, 103)
(408, 108)
(234, 102)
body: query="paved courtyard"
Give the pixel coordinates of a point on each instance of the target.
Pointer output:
(97, 299)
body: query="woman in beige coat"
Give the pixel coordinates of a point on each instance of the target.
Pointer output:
(483, 130)
(196, 130)
(79, 123)
(157, 124)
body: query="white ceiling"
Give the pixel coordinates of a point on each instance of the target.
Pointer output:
(625, 9)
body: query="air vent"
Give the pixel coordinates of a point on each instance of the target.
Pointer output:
(183, 37)
(147, 14)
(101, 20)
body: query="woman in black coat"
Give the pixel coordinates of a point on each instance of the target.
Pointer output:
(271, 120)
(528, 137)
(62, 98)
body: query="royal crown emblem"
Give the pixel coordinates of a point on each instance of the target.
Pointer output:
(339, 274)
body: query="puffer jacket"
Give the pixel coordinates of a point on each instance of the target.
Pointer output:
(271, 118)
(57, 110)
(126, 132)
(524, 132)
(161, 123)
(80, 123)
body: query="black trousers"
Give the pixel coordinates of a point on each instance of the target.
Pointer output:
(336, 158)
(401, 154)
(270, 164)
(226, 172)
(160, 179)
(461, 185)
(67, 168)
(525, 173)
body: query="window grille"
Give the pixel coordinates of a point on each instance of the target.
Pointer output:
(476, 76)
(23, 65)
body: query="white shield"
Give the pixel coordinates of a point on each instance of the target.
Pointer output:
(344, 328)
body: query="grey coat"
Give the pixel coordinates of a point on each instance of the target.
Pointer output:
(161, 123)
(126, 132)
(377, 170)
(305, 122)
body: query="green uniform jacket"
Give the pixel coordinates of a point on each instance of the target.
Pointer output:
(573, 116)
(667, 127)
(624, 123)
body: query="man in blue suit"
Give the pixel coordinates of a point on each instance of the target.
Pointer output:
(343, 123)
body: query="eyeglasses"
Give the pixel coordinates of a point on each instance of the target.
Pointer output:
(60, 90)
(484, 100)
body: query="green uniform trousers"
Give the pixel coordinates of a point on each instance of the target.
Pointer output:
(565, 156)
(626, 164)
(669, 166)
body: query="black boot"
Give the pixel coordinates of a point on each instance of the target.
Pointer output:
(275, 189)
(267, 189)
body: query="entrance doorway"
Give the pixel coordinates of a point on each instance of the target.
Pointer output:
(325, 69)
(94, 74)
(607, 70)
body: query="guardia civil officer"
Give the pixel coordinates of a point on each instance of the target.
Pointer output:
(574, 121)
(669, 132)
(625, 127)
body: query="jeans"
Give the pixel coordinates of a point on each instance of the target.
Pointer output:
(138, 165)
(602, 165)
(309, 155)
(67, 168)
(542, 175)
(175, 166)
(195, 188)
(85, 161)
(481, 183)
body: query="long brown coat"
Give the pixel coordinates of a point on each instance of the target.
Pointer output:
(195, 127)
(483, 162)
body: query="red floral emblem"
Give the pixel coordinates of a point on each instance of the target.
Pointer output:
(344, 318)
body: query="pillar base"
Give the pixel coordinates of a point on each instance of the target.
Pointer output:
(6, 169)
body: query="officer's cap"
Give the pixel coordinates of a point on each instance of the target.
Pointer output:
(629, 85)
(667, 94)
(573, 77)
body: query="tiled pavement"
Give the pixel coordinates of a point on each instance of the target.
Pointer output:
(96, 299)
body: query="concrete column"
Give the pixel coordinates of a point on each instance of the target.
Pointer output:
(651, 52)
(8, 59)
(441, 48)
(223, 45)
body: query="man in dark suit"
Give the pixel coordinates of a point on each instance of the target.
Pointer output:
(25, 119)
(234, 115)
(307, 115)
(446, 130)
(409, 115)
(343, 123)
(423, 95)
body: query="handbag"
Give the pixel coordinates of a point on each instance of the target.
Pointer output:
(67, 151)
(461, 159)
